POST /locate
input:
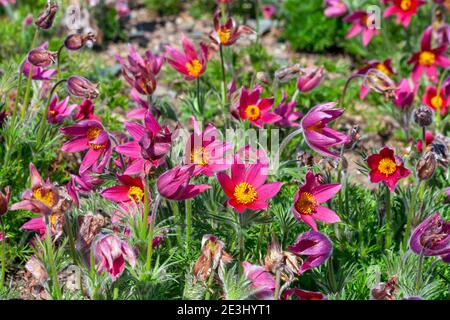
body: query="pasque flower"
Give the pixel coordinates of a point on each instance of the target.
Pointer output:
(303, 295)
(89, 135)
(317, 135)
(387, 167)
(38, 73)
(404, 10)
(5, 196)
(315, 245)
(383, 66)
(140, 72)
(310, 80)
(431, 237)
(269, 10)
(130, 189)
(45, 19)
(150, 145)
(143, 107)
(82, 87)
(56, 222)
(428, 59)
(40, 57)
(404, 94)
(111, 253)
(361, 23)
(246, 188)
(85, 111)
(307, 201)
(335, 8)
(437, 102)
(228, 33)
(255, 109)
(206, 152)
(77, 41)
(174, 184)
(189, 63)
(378, 81)
(428, 140)
(263, 282)
(285, 110)
(59, 110)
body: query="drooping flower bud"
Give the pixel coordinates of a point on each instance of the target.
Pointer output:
(45, 19)
(77, 41)
(40, 57)
(82, 87)
(380, 82)
(263, 77)
(385, 291)
(4, 200)
(288, 73)
(426, 166)
(311, 80)
(423, 116)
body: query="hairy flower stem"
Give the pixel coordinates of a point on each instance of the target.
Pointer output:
(58, 62)
(388, 218)
(188, 209)
(424, 140)
(27, 94)
(241, 243)
(262, 231)
(146, 208)
(295, 96)
(224, 80)
(199, 105)
(346, 86)
(2, 278)
(288, 139)
(419, 271)
(277, 284)
(177, 220)
(409, 220)
(257, 8)
(68, 228)
(210, 282)
(148, 263)
(44, 115)
(19, 87)
(49, 245)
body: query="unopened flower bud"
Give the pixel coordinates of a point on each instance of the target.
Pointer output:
(77, 41)
(311, 80)
(288, 73)
(426, 166)
(385, 291)
(423, 116)
(354, 137)
(379, 82)
(82, 87)
(40, 57)
(263, 77)
(4, 200)
(45, 19)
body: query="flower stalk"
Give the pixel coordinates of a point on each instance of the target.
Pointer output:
(2, 278)
(49, 245)
(388, 218)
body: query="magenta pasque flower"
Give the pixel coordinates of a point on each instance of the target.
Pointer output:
(82, 87)
(89, 135)
(263, 282)
(228, 33)
(310, 80)
(360, 24)
(41, 57)
(308, 199)
(404, 10)
(404, 94)
(303, 295)
(428, 59)
(317, 135)
(189, 63)
(58, 111)
(130, 189)
(85, 111)
(255, 109)
(285, 110)
(143, 107)
(174, 184)
(38, 73)
(111, 254)
(315, 245)
(335, 8)
(269, 10)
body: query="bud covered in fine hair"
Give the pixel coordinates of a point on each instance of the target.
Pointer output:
(310, 80)
(263, 77)
(380, 82)
(288, 73)
(426, 166)
(45, 19)
(82, 87)
(77, 41)
(385, 291)
(423, 116)
(40, 57)
(4, 200)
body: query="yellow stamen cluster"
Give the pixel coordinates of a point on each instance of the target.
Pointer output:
(427, 58)
(405, 5)
(381, 67)
(245, 193)
(306, 203)
(136, 193)
(387, 166)
(252, 112)
(437, 102)
(224, 35)
(194, 68)
(44, 196)
(93, 133)
(199, 156)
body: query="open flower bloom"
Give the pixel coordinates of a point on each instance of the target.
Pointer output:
(269, 10)
(361, 23)
(428, 140)
(335, 8)
(285, 110)
(315, 245)
(404, 10)
(174, 184)
(317, 135)
(263, 282)
(428, 59)
(255, 109)
(206, 152)
(437, 102)
(111, 253)
(150, 145)
(307, 200)
(227, 34)
(86, 181)
(143, 107)
(213, 255)
(246, 188)
(59, 110)
(140, 72)
(89, 135)
(386, 166)
(38, 225)
(42, 198)
(131, 189)
(404, 94)
(38, 73)
(189, 63)
(85, 111)
(431, 237)
(310, 80)
(300, 294)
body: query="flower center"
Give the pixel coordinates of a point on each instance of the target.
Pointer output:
(52, 113)
(316, 126)
(224, 35)
(194, 68)
(199, 156)
(405, 5)
(427, 58)
(383, 69)
(136, 193)
(437, 102)
(306, 203)
(44, 196)
(93, 133)
(252, 112)
(245, 193)
(387, 166)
